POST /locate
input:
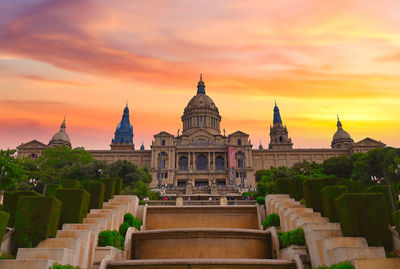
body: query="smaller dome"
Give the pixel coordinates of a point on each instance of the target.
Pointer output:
(60, 138)
(341, 134)
(341, 139)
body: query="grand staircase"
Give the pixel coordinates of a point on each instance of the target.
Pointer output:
(201, 237)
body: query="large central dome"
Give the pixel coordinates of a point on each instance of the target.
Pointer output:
(201, 113)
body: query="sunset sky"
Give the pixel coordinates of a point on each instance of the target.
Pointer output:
(85, 59)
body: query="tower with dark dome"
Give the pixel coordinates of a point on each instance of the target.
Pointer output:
(123, 136)
(60, 138)
(341, 139)
(279, 136)
(201, 113)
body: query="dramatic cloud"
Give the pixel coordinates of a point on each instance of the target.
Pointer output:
(85, 59)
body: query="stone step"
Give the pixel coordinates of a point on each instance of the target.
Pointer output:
(291, 224)
(204, 264)
(299, 221)
(79, 247)
(88, 237)
(341, 254)
(117, 219)
(376, 263)
(109, 222)
(307, 227)
(94, 227)
(336, 242)
(26, 264)
(101, 222)
(60, 255)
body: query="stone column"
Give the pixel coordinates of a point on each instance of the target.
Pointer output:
(189, 161)
(209, 161)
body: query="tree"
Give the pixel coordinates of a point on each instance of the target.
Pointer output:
(339, 166)
(11, 170)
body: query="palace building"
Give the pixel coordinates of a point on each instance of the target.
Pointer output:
(202, 154)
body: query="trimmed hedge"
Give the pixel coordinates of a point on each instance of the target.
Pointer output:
(312, 192)
(388, 206)
(10, 202)
(36, 219)
(111, 238)
(329, 194)
(51, 189)
(396, 219)
(282, 186)
(118, 186)
(71, 184)
(294, 237)
(352, 186)
(363, 214)
(296, 189)
(109, 190)
(75, 205)
(4, 217)
(96, 190)
(271, 220)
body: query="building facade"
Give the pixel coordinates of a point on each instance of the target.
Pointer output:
(202, 154)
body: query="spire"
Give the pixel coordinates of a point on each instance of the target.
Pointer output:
(142, 146)
(62, 127)
(277, 115)
(201, 87)
(124, 131)
(339, 124)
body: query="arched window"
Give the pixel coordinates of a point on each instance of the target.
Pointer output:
(163, 142)
(219, 163)
(280, 139)
(201, 162)
(183, 163)
(239, 142)
(33, 156)
(162, 163)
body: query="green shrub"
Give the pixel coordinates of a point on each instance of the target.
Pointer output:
(352, 186)
(36, 219)
(75, 205)
(118, 186)
(363, 214)
(341, 265)
(51, 189)
(10, 202)
(123, 228)
(312, 192)
(96, 190)
(282, 186)
(294, 237)
(111, 238)
(388, 206)
(260, 200)
(396, 219)
(71, 184)
(4, 217)
(109, 188)
(59, 266)
(329, 194)
(271, 220)
(132, 221)
(142, 202)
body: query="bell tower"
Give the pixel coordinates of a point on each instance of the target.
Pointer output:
(279, 137)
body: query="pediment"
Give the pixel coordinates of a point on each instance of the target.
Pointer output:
(163, 133)
(32, 144)
(369, 142)
(238, 133)
(201, 136)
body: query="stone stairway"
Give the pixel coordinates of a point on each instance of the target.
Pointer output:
(324, 239)
(75, 244)
(201, 237)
